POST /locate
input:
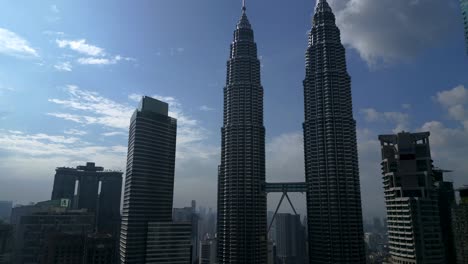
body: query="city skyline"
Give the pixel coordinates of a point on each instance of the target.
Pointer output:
(69, 95)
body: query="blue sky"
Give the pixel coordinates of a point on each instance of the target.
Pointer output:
(71, 73)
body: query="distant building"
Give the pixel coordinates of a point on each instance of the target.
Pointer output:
(188, 214)
(6, 243)
(149, 183)
(290, 239)
(271, 253)
(5, 210)
(36, 233)
(446, 201)
(208, 251)
(100, 249)
(464, 8)
(168, 243)
(460, 227)
(63, 248)
(92, 188)
(411, 198)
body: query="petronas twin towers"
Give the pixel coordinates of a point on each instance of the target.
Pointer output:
(331, 162)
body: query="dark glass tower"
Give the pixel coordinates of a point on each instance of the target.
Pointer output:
(331, 159)
(242, 208)
(149, 182)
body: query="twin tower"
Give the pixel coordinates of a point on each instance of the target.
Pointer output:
(335, 230)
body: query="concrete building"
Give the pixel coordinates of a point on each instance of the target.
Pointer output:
(290, 239)
(446, 201)
(335, 227)
(6, 243)
(241, 225)
(188, 214)
(92, 188)
(149, 182)
(5, 210)
(63, 248)
(99, 249)
(208, 251)
(411, 198)
(169, 243)
(460, 227)
(464, 8)
(36, 233)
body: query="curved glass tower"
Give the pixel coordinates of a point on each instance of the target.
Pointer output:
(242, 205)
(331, 159)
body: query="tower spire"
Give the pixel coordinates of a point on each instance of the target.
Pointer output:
(244, 8)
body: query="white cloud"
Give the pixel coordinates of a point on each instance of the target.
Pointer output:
(14, 45)
(394, 30)
(103, 61)
(406, 106)
(96, 61)
(91, 108)
(399, 119)
(81, 46)
(63, 66)
(206, 108)
(75, 132)
(455, 101)
(115, 133)
(135, 97)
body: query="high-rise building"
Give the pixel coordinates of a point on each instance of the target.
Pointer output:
(63, 248)
(460, 227)
(149, 182)
(411, 199)
(35, 231)
(99, 249)
(169, 243)
(92, 188)
(464, 8)
(188, 214)
(335, 229)
(6, 243)
(290, 239)
(5, 210)
(446, 201)
(241, 225)
(208, 251)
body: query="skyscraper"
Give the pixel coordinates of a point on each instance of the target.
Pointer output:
(411, 198)
(149, 182)
(460, 227)
(92, 188)
(464, 8)
(331, 161)
(242, 226)
(290, 239)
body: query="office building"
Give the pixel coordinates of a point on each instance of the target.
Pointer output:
(241, 225)
(411, 199)
(38, 231)
(5, 210)
(6, 243)
(169, 243)
(188, 214)
(92, 188)
(100, 249)
(446, 201)
(208, 251)
(149, 182)
(63, 248)
(331, 159)
(290, 239)
(464, 8)
(460, 227)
